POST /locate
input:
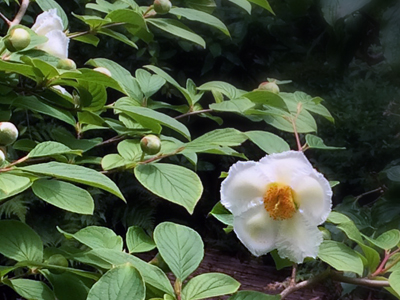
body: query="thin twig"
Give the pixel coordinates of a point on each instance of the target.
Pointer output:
(379, 189)
(20, 14)
(111, 140)
(74, 35)
(5, 19)
(359, 281)
(193, 113)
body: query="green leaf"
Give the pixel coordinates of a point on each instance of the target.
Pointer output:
(223, 87)
(20, 242)
(215, 139)
(31, 289)
(128, 16)
(393, 173)
(178, 29)
(97, 237)
(316, 142)
(340, 257)
(149, 83)
(64, 195)
(244, 4)
(118, 36)
(146, 115)
(75, 173)
(199, 16)
(120, 283)
(235, 105)
(181, 248)
(112, 161)
(151, 274)
(394, 280)
(280, 262)
(386, 240)
(209, 285)
(130, 150)
(253, 295)
(207, 6)
(138, 241)
(266, 98)
(34, 104)
(268, 142)
(222, 214)
(263, 4)
(49, 4)
(51, 148)
(174, 183)
(11, 185)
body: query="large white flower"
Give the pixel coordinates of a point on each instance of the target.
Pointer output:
(277, 203)
(50, 25)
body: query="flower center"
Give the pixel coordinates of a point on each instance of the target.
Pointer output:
(279, 201)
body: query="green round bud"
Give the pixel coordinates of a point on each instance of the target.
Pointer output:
(8, 133)
(57, 260)
(150, 144)
(2, 157)
(269, 86)
(162, 6)
(66, 64)
(103, 71)
(17, 40)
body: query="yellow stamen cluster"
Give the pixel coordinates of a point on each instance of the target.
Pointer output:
(279, 201)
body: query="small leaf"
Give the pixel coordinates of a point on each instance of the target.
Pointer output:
(51, 148)
(120, 283)
(209, 285)
(394, 280)
(268, 142)
(20, 242)
(138, 241)
(340, 257)
(181, 248)
(316, 142)
(11, 185)
(174, 183)
(222, 214)
(76, 174)
(64, 195)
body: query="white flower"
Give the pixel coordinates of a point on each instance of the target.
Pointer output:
(50, 25)
(277, 203)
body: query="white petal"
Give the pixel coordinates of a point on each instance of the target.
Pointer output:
(313, 196)
(56, 45)
(244, 187)
(284, 165)
(298, 239)
(47, 21)
(256, 230)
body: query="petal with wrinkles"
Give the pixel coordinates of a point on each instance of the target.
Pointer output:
(56, 45)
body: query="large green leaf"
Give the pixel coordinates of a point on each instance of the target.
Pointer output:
(64, 195)
(199, 16)
(51, 148)
(120, 283)
(75, 173)
(394, 280)
(20, 242)
(209, 285)
(138, 241)
(268, 142)
(174, 183)
(31, 289)
(181, 248)
(340, 257)
(11, 185)
(178, 29)
(144, 115)
(151, 274)
(386, 240)
(253, 295)
(97, 237)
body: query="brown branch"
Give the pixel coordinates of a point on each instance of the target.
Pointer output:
(193, 113)
(359, 281)
(5, 19)
(379, 189)
(20, 14)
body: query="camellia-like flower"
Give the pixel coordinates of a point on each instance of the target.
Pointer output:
(278, 203)
(50, 25)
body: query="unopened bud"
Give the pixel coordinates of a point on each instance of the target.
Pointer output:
(150, 144)
(66, 64)
(8, 133)
(17, 40)
(162, 6)
(103, 70)
(269, 86)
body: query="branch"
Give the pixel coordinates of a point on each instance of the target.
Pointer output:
(5, 19)
(359, 281)
(20, 14)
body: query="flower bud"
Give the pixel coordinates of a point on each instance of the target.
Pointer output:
(162, 6)
(8, 133)
(66, 64)
(150, 144)
(103, 70)
(269, 86)
(17, 40)
(2, 157)
(57, 260)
